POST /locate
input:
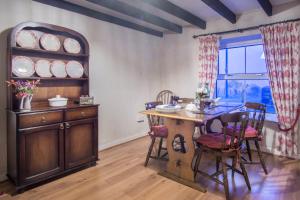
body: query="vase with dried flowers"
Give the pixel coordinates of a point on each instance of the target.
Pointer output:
(24, 92)
(202, 93)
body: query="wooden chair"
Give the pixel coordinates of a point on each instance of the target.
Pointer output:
(253, 132)
(157, 130)
(164, 96)
(224, 146)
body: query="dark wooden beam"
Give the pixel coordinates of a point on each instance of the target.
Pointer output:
(98, 15)
(267, 6)
(177, 11)
(220, 8)
(132, 11)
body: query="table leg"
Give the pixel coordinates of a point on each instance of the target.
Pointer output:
(179, 167)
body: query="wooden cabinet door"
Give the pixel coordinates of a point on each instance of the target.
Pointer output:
(41, 152)
(81, 142)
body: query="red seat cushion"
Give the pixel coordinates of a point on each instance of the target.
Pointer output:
(159, 131)
(215, 140)
(249, 133)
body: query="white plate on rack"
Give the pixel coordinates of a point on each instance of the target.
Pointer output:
(22, 66)
(58, 69)
(26, 39)
(50, 42)
(42, 68)
(72, 46)
(74, 69)
(167, 108)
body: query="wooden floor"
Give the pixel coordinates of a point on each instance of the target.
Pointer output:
(120, 175)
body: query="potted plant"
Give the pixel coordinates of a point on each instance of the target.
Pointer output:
(24, 92)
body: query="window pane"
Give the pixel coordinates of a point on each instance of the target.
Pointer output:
(221, 89)
(230, 90)
(222, 61)
(244, 60)
(235, 90)
(259, 91)
(236, 60)
(255, 60)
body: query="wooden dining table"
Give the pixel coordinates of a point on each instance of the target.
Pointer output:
(182, 123)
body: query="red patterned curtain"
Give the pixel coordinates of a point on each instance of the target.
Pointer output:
(208, 61)
(282, 53)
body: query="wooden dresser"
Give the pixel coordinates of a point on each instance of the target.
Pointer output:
(48, 142)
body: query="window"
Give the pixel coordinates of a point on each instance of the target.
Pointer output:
(243, 76)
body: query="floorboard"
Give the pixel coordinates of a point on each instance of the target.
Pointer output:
(120, 174)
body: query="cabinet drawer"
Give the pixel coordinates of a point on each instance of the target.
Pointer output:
(39, 119)
(81, 113)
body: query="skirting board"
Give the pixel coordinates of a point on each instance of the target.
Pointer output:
(133, 137)
(266, 150)
(3, 177)
(121, 141)
(273, 152)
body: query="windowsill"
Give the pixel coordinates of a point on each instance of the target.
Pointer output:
(270, 117)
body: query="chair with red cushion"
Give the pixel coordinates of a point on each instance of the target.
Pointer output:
(253, 132)
(159, 131)
(223, 146)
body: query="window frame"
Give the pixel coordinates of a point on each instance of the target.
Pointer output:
(240, 76)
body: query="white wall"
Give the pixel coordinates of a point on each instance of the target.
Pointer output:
(124, 69)
(180, 54)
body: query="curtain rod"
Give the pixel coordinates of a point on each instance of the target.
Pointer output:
(245, 29)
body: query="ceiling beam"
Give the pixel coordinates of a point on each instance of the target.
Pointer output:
(132, 11)
(100, 16)
(220, 8)
(267, 6)
(177, 11)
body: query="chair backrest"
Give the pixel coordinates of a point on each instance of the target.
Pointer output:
(257, 114)
(165, 96)
(153, 120)
(238, 123)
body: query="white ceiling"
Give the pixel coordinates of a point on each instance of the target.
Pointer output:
(196, 7)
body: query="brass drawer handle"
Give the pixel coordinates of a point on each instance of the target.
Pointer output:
(61, 126)
(83, 114)
(43, 120)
